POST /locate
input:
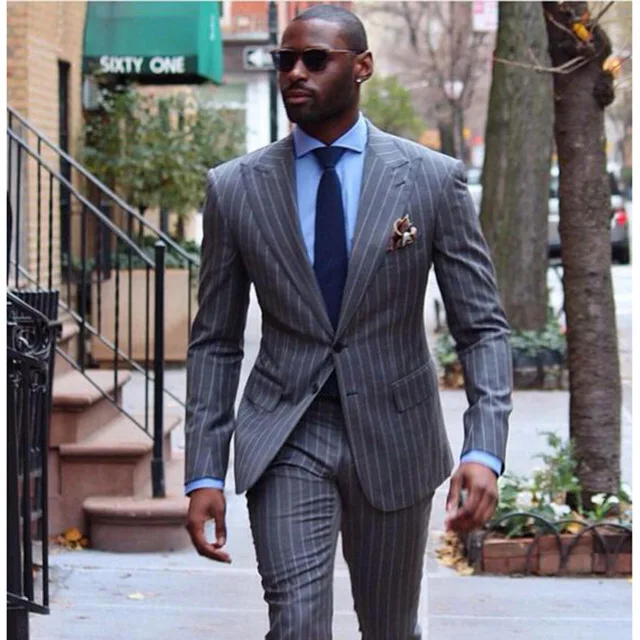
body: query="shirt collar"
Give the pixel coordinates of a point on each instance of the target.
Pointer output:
(355, 139)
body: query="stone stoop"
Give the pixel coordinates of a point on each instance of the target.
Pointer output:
(94, 449)
(79, 408)
(142, 523)
(114, 461)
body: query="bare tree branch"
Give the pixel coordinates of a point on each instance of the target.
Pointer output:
(552, 20)
(411, 27)
(447, 55)
(594, 23)
(433, 58)
(470, 74)
(567, 67)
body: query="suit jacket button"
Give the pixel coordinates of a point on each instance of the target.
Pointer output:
(315, 387)
(338, 347)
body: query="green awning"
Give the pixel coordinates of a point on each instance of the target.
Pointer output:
(159, 42)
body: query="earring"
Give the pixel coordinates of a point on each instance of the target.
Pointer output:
(359, 80)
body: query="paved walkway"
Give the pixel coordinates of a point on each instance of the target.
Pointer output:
(189, 597)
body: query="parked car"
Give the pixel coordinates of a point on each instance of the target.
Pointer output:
(620, 237)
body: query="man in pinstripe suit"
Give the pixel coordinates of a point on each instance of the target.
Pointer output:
(340, 427)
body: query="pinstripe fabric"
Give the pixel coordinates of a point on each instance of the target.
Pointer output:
(309, 493)
(387, 379)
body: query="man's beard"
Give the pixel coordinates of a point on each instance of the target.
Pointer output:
(314, 113)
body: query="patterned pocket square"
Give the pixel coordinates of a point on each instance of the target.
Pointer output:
(404, 234)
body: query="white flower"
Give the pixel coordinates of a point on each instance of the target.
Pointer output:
(626, 489)
(560, 510)
(598, 499)
(613, 500)
(524, 500)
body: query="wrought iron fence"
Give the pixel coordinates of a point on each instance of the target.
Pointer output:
(31, 338)
(110, 282)
(605, 542)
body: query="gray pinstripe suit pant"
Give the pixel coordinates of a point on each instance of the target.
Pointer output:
(310, 493)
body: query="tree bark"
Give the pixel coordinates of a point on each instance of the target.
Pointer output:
(447, 144)
(585, 213)
(515, 195)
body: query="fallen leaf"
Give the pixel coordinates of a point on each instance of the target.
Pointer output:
(464, 570)
(451, 554)
(72, 535)
(72, 539)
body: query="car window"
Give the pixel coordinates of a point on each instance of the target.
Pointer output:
(613, 183)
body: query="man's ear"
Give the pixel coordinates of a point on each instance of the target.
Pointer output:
(364, 67)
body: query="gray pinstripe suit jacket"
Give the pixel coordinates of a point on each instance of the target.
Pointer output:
(387, 379)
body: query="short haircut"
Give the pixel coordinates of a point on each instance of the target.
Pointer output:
(352, 28)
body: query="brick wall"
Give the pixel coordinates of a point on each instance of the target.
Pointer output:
(39, 34)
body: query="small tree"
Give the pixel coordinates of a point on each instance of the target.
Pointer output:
(156, 152)
(579, 47)
(441, 57)
(389, 106)
(118, 147)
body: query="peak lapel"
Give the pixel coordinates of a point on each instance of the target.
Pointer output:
(270, 185)
(385, 187)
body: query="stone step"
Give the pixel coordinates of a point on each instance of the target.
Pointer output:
(68, 343)
(79, 408)
(142, 523)
(113, 461)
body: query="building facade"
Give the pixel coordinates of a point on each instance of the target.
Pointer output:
(44, 81)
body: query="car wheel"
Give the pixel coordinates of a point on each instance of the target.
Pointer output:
(622, 255)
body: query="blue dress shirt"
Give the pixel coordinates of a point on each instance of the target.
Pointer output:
(308, 174)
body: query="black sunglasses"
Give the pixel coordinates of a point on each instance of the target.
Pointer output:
(313, 59)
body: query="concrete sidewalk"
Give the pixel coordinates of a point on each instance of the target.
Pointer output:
(151, 597)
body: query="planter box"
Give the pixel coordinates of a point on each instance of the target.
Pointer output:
(579, 561)
(619, 554)
(507, 556)
(176, 313)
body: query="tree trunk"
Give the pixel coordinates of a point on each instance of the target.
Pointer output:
(447, 144)
(457, 116)
(585, 213)
(180, 230)
(515, 195)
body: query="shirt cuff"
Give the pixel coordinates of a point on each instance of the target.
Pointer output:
(483, 457)
(203, 483)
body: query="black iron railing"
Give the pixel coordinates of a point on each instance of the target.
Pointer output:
(111, 272)
(607, 541)
(31, 337)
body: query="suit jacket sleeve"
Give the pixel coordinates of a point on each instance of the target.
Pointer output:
(216, 347)
(475, 316)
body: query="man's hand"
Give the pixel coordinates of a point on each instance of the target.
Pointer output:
(205, 504)
(481, 486)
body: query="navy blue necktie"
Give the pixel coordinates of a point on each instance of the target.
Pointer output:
(330, 250)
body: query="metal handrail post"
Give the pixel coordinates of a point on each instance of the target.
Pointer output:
(157, 464)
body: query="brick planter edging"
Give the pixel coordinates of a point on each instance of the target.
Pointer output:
(598, 549)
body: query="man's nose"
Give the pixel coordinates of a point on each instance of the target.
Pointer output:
(299, 72)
